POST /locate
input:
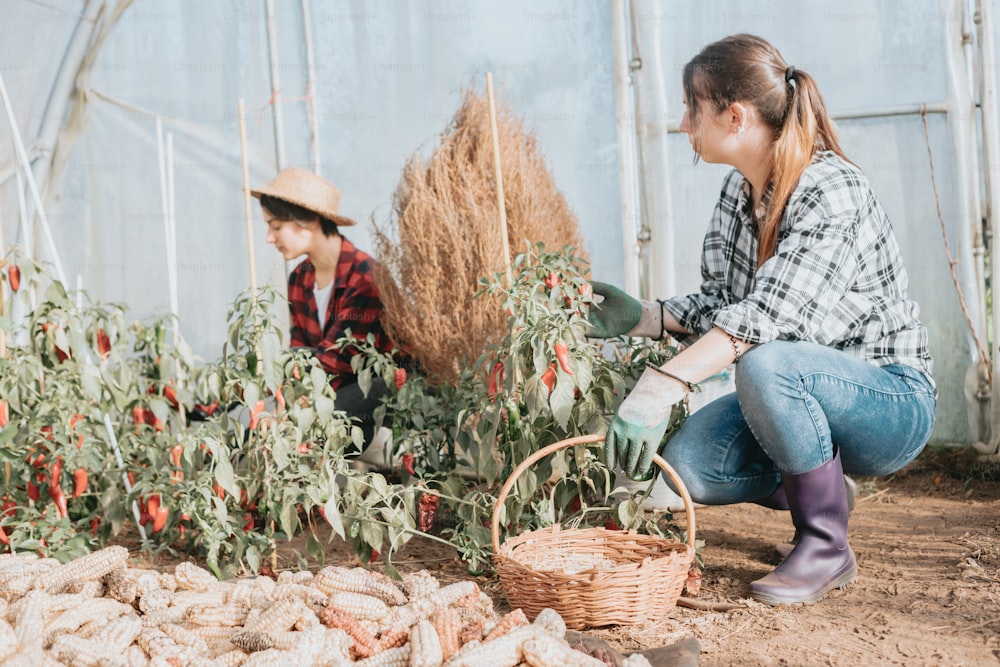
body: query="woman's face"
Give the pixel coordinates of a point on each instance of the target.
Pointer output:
(291, 238)
(711, 135)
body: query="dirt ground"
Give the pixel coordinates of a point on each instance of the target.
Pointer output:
(928, 592)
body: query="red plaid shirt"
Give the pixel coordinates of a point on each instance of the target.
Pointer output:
(354, 305)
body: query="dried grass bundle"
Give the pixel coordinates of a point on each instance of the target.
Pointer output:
(444, 235)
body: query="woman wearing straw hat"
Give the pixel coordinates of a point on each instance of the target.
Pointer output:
(804, 287)
(330, 291)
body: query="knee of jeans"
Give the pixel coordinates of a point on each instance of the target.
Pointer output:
(760, 364)
(700, 488)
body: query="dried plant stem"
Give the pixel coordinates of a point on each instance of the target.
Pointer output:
(441, 237)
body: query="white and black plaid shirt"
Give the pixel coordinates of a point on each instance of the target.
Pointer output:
(836, 278)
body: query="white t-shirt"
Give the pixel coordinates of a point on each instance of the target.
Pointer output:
(322, 296)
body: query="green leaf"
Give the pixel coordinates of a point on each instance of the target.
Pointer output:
(315, 549)
(253, 558)
(331, 510)
(224, 476)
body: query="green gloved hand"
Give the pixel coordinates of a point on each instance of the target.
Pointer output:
(616, 315)
(642, 420)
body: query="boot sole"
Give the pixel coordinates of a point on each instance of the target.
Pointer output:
(840, 582)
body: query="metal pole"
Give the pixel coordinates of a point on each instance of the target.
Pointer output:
(625, 122)
(986, 29)
(272, 57)
(654, 161)
(311, 99)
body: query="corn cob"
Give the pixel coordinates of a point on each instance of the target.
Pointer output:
(252, 641)
(425, 648)
(364, 644)
(271, 658)
(119, 634)
(506, 623)
(146, 581)
(81, 652)
(547, 651)
(91, 628)
(550, 621)
(300, 577)
(193, 578)
(136, 657)
(282, 615)
(154, 600)
(636, 660)
(231, 658)
(168, 582)
(212, 633)
(120, 585)
(183, 637)
(91, 566)
(390, 586)
(166, 615)
(223, 614)
(406, 616)
(393, 639)
(419, 584)
(332, 579)
(362, 607)
(471, 632)
(448, 625)
(506, 651)
(90, 588)
(313, 597)
(31, 617)
(184, 598)
(8, 639)
(394, 657)
(69, 621)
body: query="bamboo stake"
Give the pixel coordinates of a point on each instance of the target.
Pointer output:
(30, 177)
(311, 102)
(275, 69)
(499, 177)
(246, 200)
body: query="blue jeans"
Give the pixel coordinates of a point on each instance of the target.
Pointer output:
(794, 403)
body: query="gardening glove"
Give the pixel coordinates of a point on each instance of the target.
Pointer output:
(619, 314)
(639, 425)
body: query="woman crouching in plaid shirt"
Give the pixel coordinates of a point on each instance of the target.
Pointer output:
(804, 287)
(330, 291)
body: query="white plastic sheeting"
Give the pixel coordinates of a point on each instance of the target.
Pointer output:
(389, 75)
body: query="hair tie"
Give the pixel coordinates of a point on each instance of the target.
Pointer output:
(790, 74)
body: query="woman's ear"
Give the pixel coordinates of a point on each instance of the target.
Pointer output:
(739, 114)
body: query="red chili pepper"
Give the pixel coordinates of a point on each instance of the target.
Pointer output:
(427, 510)
(549, 377)
(80, 477)
(131, 478)
(138, 417)
(9, 507)
(3, 537)
(247, 522)
(408, 463)
(258, 408)
(14, 272)
(171, 395)
(154, 421)
(59, 498)
(562, 355)
(496, 380)
(73, 421)
(219, 491)
(400, 378)
(175, 454)
(586, 289)
(160, 520)
(374, 556)
(103, 343)
(153, 504)
(611, 524)
(552, 280)
(95, 522)
(4, 416)
(279, 398)
(209, 410)
(305, 447)
(295, 372)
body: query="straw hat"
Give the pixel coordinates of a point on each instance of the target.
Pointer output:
(304, 188)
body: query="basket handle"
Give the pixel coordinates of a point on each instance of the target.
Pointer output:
(584, 440)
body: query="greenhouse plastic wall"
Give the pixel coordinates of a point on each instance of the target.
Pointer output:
(389, 75)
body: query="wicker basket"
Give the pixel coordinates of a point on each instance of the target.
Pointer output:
(640, 576)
